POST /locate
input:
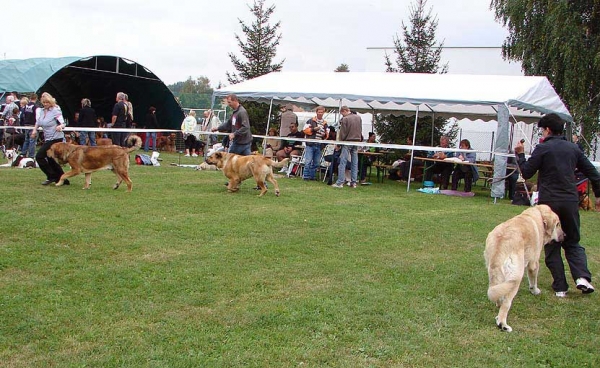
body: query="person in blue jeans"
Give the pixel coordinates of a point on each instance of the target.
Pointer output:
(350, 131)
(314, 129)
(29, 113)
(86, 119)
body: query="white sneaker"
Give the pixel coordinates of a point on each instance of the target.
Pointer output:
(336, 185)
(187, 155)
(561, 294)
(194, 155)
(283, 169)
(584, 285)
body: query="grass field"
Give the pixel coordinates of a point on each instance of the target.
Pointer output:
(180, 273)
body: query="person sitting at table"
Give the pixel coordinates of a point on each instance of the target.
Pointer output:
(332, 134)
(290, 147)
(405, 166)
(365, 162)
(468, 172)
(444, 169)
(272, 145)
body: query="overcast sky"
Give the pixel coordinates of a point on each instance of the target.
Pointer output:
(185, 38)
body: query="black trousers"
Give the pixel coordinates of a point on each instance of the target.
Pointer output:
(50, 167)
(460, 172)
(441, 168)
(192, 143)
(568, 213)
(119, 138)
(511, 182)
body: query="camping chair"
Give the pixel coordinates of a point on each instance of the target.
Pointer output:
(296, 165)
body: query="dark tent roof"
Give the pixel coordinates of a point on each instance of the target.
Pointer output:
(98, 78)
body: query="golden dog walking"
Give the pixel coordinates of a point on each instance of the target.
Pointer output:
(513, 246)
(84, 159)
(239, 168)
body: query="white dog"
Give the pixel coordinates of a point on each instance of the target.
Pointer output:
(206, 167)
(16, 160)
(514, 247)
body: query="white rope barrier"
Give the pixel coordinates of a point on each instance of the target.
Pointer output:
(385, 146)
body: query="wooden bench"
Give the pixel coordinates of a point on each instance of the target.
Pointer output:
(382, 169)
(485, 173)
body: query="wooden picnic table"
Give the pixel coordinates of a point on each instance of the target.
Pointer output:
(487, 172)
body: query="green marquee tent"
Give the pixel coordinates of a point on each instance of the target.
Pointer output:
(99, 78)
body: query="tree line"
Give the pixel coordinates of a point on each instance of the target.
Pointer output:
(557, 39)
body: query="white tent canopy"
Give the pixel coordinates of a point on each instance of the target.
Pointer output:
(485, 97)
(460, 96)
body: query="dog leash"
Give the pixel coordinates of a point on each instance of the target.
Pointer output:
(496, 180)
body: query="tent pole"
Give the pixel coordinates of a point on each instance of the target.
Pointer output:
(267, 132)
(432, 127)
(412, 151)
(210, 116)
(338, 114)
(500, 151)
(373, 120)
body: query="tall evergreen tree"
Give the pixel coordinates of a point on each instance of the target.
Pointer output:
(259, 48)
(417, 52)
(561, 40)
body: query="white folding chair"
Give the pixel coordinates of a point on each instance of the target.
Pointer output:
(296, 165)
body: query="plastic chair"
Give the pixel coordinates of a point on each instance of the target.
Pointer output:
(296, 165)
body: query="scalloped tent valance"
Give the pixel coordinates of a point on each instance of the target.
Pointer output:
(99, 78)
(449, 95)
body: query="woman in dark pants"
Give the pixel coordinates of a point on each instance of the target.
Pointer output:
(51, 121)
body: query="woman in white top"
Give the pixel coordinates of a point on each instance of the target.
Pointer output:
(51, 121)
(188, 126)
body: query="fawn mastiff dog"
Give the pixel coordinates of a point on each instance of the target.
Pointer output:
(511, 247)
(239, 168)
(84, 159)
(166, 142)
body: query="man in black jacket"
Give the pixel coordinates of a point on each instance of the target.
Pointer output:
(87, 119)
(555, 160)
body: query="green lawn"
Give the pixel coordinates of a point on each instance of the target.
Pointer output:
(180, 273)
